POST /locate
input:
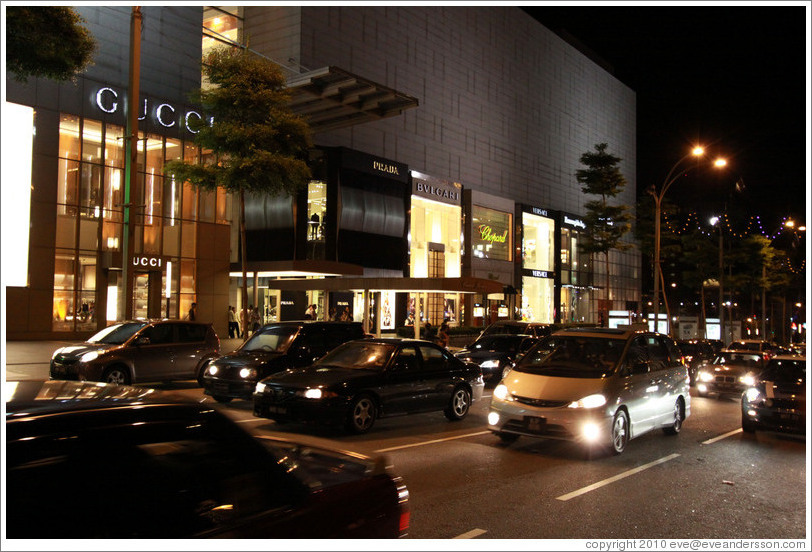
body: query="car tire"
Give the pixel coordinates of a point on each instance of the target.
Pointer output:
(201, 372)
(506, 438)
(222, 398)
(118, 375)
(459, 404)
(676, 423)
(620, 432)
(361, 415)
(747, 425)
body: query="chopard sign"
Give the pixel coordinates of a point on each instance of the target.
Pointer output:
(486, 234)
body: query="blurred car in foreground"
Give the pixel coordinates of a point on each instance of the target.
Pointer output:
(536, 329)
(495, 353)
(777, 399)
(730, 372)
(694, 352)
(139, 351)
(274, 348)
(361, 381)
(92, 460)
(595, 386)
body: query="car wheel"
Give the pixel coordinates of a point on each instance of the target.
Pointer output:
(620, 432)
(362, 414)
(676, 422)
(747, 425)
(222, 398)
(457, 409)
(117, 374)
(506, 438)
(200, 373)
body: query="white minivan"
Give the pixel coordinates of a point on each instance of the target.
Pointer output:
(596, 386)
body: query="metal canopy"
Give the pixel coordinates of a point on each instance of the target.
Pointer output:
(331, 98)
(464, 284)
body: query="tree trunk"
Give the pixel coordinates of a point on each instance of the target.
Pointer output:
(704, 326)
(244, 261)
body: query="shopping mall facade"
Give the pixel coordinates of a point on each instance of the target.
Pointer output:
(446, 143)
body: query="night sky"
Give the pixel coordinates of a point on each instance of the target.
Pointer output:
(733, 78)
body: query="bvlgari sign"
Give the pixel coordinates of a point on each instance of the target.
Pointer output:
(436, 189)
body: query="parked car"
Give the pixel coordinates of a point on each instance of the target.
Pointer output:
(767, 348)
(694, 352)
(274, 348)
(139, 351)
(730, 372)
(107, 461)
(536, 329)
(595, 386)
(777, 399)
(361, 381)
(496, 353)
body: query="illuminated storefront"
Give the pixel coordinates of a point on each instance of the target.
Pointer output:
(538, 265)
(575, 272)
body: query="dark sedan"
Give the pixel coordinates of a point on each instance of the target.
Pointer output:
(777, 399)
(731, 372)
(361, 381)
(694, 352)
(494, 353)
(92, 460)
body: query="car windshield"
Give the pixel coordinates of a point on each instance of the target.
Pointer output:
(495, 343)
(117, 333)
(274, 339)
(785, 371)
(358, 355)
(689, 349)
(738, 359)
(573, 356)
(746, 346)
(505, 329)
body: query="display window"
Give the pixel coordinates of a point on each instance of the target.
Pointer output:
(437, 223)
(538, 300)
(490, 234)
(537, 242)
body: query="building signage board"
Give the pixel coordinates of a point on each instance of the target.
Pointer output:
(572, 221)
(537, 273)
(436, 189)
(147, 262)
(166, 115)
(371, 164)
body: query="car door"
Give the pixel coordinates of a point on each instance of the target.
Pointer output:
(152, 353)
(434, 383)
(399, 391)
(190, 349)
(310, 345)
(637, 388)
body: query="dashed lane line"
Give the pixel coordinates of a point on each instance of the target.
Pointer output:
(422, 443)
(617, 477)
(473, 533)
(723, 436)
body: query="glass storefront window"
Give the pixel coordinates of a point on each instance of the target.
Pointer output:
(69, 143)
(538, 300)
(171, 201)
(189, 202)
(173, 149)
(67, 187)
(316, 210)
(113, 187)
(90, 190)
(537, 246)
(114, 146)
(491, 236)
(440, 223)
(92, 141)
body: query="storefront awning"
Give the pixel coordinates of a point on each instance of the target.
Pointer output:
(464, 284)
(296, 268)
(331, 98)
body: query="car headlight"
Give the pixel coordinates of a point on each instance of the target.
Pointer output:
(591, 401)
(87, 357)
(748, 379)
(248, 373)
(490, 364)
(316, 394)
(212, 370)
(501, 392)
(752, 395)
(260, 388)
(53, 356)
(705, 377)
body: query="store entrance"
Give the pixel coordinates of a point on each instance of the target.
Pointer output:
(146, 295)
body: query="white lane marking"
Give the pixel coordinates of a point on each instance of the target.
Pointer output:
(720, 437)
(432, 441)
(250, 420)
(605, 482)
(473, 533)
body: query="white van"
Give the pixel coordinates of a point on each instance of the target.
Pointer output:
(596, 386)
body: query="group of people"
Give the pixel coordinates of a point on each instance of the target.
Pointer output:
(246, 324)
(440, 337)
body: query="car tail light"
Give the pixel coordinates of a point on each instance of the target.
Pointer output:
(405, 511)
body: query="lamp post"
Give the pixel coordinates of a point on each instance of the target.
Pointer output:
(658, 200)
(714, 221)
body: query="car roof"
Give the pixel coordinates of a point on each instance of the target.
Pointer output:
(34, 397)
(613, 333)
(789, 356)
(392, 340)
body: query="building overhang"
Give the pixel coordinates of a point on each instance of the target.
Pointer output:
(331, 98)
(464, 284)
(296, 268)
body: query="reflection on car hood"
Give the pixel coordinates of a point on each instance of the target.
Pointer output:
(731, 369)
(551, 388)
(75, 351)
(239, 359)
(480, 355)
(315, 376)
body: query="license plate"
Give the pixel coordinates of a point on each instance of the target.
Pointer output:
(221, 388)
(534, 424)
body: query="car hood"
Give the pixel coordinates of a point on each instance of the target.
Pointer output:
(786, 389)
(551, 388)
(318, 376)
(239, 359)
(731, 369)
(71, 352)
(480, 355)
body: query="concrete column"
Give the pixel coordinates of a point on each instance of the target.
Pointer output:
(378, 311)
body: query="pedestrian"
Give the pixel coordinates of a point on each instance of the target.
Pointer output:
(332, 317)
(192, 312)
(443, 335)
(233, 325)
(310, 313)
(429, 333)
(345, 315)
(254, 319)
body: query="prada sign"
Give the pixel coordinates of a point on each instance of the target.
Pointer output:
(436, 189)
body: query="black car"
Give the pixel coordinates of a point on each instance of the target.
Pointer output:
(496, 352)
(93, 460)
(694, 353)
(730, 372)
(274, 348)
(364, 380)
(777, 399)
(537, 329)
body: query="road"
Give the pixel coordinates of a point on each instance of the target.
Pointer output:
(709, 482)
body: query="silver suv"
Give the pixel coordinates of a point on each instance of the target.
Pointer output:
(139, 351)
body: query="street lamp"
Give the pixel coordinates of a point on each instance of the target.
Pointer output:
(658, 200)
(714, 221)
